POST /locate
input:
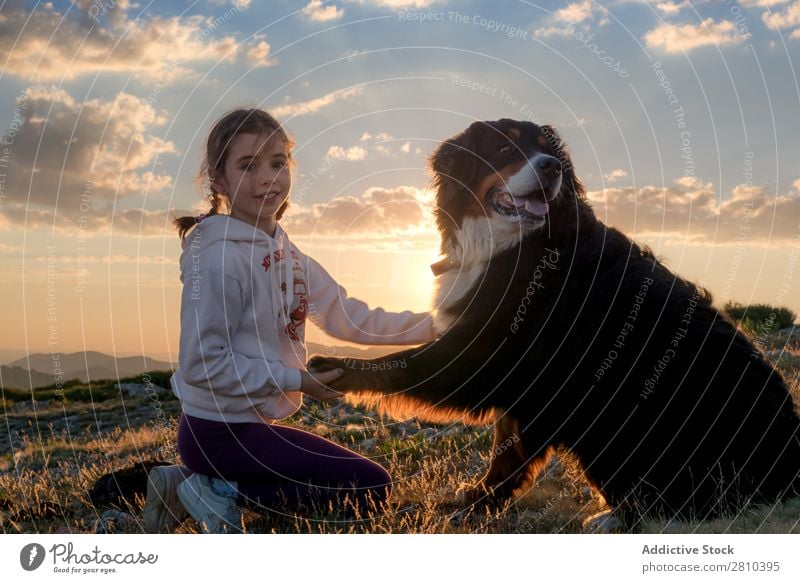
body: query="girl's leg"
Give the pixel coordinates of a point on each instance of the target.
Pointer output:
(274, 464)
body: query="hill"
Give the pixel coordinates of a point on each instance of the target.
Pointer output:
(37, 370)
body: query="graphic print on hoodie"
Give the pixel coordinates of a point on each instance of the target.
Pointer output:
(297, 310)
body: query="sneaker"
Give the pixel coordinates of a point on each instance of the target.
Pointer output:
(212, 503)
(163, 510)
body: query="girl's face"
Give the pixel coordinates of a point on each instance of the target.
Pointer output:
(257, 179)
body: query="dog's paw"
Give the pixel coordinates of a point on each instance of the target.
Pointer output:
(318, 363)
(354, 378)
(474, 493)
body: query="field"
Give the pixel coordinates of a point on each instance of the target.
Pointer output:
(55, 446)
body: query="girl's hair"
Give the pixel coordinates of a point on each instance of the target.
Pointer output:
(233, 123)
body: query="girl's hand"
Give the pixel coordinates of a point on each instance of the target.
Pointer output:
(315, 384)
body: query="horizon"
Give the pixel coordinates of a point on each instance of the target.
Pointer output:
(8, 356)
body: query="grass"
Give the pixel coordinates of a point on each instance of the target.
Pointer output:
(56, 445)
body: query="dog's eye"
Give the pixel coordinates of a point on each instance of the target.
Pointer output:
(506, 149)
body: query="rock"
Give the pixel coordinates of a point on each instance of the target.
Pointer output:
(554, 468)
(454, 430)
(789, 335)
(321, 429)
(22, 406)
(326, 414)
(139, 389)
(114, 521)
(369, 444)
(352, 427)
(785, 339)
(428, 432)
(673, 526)
(602, 523)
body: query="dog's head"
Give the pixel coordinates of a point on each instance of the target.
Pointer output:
(505, 176)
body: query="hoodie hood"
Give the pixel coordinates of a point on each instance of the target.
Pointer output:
(226, 228)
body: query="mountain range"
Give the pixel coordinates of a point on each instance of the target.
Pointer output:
(39, 369)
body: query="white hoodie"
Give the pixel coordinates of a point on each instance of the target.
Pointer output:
(246, 297)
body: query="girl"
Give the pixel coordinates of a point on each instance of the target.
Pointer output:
(247, 294)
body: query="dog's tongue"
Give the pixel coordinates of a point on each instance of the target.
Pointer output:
(536, 208)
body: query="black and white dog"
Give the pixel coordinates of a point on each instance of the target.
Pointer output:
(565, 332)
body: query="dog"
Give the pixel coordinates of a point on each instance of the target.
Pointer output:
(565, 332)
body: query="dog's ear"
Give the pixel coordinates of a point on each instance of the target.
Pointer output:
(454, 167)
(445, 162)
(444, 157)
(559, 149)
(448, 161)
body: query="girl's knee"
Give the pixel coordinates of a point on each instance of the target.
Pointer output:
(376, 479)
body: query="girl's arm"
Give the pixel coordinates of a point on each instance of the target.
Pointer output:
(352, 320)
(211, 308)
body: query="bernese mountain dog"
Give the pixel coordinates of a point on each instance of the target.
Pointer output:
(565, 332)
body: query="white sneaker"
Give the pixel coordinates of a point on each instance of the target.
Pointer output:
(163, 510)
(212, 503)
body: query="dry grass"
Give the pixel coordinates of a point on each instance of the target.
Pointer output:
(52, 452)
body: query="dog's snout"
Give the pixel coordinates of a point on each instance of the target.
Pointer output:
(548, 166)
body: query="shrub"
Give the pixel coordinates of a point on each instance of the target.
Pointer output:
(157, 377)
(760, 318)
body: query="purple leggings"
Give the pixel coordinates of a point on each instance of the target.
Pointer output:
(275, 465)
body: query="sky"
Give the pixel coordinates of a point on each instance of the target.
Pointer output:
(682, 119)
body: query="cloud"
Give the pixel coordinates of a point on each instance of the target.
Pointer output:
(240, 4)
(396, 4)
(690, 209)
(550, 31)
(353, 153)
(314, 105)
(579, 11)
(258, 53)
(786, 18)
(319, 13)
(116, 259)
(575, 13)
(101, 221)
(377, 213)
(381, 137)
(677, 38)
(671, 8)
(371, 144)
(44, 45)
(762, 3)
(74, 160)
(615, 174)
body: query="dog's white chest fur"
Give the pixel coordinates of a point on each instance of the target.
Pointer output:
(477, 241)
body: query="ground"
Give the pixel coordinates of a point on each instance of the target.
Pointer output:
(54, 448)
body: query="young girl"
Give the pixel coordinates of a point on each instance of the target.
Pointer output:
(247, 294)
